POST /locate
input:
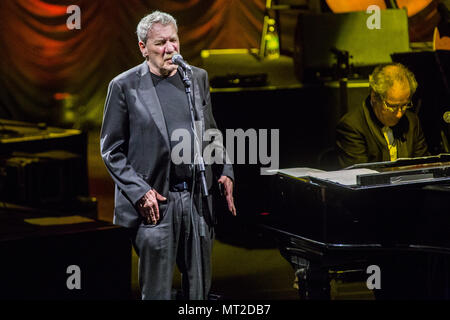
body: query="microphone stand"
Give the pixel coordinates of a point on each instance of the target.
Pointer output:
(197, 147)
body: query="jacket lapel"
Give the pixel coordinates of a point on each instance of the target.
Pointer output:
(198, 102)
(376, 130)
(149, 98)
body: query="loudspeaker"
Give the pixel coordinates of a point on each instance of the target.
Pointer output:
(317, 34)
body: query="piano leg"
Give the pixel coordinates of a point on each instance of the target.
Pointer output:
(317, 283)
(312, 284)
(311, 280)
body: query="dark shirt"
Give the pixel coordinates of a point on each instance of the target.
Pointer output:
(173, 99)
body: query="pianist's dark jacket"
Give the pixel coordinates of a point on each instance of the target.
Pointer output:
(359, 138)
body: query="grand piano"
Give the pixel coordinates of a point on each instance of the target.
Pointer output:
(331, 226)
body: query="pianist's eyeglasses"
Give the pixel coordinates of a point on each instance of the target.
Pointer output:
(395, 108)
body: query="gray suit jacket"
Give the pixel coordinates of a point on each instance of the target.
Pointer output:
(134, 142)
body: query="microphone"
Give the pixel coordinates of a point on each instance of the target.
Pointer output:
(446, 116)
(178, 60)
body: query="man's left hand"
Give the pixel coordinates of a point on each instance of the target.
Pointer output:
(228, 190)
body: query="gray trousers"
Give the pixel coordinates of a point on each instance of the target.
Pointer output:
(182, 237)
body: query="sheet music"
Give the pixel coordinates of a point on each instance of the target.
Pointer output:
(344, 177)
(297, 172)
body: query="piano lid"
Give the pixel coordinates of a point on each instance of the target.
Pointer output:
(405, 171)
(423, 170)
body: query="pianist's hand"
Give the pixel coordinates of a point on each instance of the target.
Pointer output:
(228, 186)
(148, 206)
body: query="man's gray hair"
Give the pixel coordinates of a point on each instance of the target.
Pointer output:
(147, 22)
(383, 78)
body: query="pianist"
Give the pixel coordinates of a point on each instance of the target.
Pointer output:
(383, 128)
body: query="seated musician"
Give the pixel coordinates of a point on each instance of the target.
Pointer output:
(383, 128)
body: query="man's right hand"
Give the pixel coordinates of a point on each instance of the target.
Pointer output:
(148, 206)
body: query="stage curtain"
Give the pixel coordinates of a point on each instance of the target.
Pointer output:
(53, 74)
